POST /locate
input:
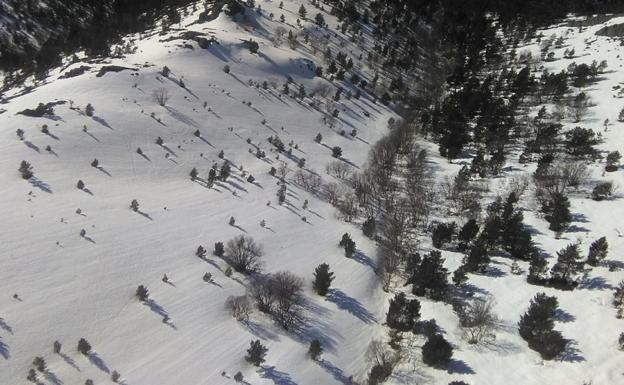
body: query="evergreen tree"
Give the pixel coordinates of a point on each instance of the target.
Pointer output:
(437, 351)
(430, 277)
(193, 174)
(80, 185)
(403, 314)
(477, 259)
(84, 346)
(201, 252)
(567, 266)
(467, 233)
(323, 278)
(348, 244)
(142, 293)
(219, 249)
(538, 269)
(26, 170)
(224, 172)
(443, 233)
(558, 212)
(597, 251)
(368, 227)
(315, 350)
(134, 205)
(302, 12)
(537, 324)
(89, 110)
(256, 353)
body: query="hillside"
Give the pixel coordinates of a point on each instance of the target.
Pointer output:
(301, 154)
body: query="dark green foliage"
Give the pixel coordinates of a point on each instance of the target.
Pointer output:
(84, 346)
(56, 347)
(477, 259)
(142, 293)
(134, 205)
(219, 249)
(467, 233)
(201, 252)
(80, 185)
(323, 278)
(557, 211)
(379, 373)
(40, 364)
(315, 350)
(89, 110)
(225, 171)
(336, 152)
(597, 251)
(537, 324)
(253, 46)
(26, 170)
(568, 265)
(348, 244)
(443, 233)
(368, 227)
(193, 174)
(437, 351)
(429, 278)
(460, 276)
(538, 269)
(256, 353)
(403, 313)
(580, 141)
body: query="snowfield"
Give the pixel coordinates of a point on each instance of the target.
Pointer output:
(69, 286)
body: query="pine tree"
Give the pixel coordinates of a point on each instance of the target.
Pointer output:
(40, 364)
(315, 350)
(621, 115)
(238, 377)
(201, 252)
(193, 174)
(477, 259)
(80, 185)
(302, 12)
(597, 251)
(218, 249)
(437, 351)
(323, 278)
(95, 163)
(224, 173)
(429, 277)
(84, 346)
(89, 110)
(348, 244)
(26, 170)
(467, 233)
(256, 353)
(558, 213)
(368, 227)
(56, 347)
(134, 205)
(537, 324)
(567, 266)
(142, 293)
(403, 314)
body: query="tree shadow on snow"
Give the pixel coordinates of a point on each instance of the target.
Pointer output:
(595, 283)
(351, 305)
(337, 373)
(53, 378)
(43, 186)
(69, 361)
(5, 326)
(571, 353)
(260, 331)
(4, 350)
(145, 215)
(101, 121)
(459, 367)
(99, 362)
(279, 378)
(363, 259)
(31, 145)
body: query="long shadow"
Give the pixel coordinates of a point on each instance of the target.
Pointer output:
(563, 316)
(5, 326)
(87, 191)
(240, 228)
(99, 362)
(261, 331)
(43, 186)
(69, 361)
(156, 308)
(459, 367)
(4, 350)
(351, 305)
(595, 283)
(104, 170)
(102, 122)
(181, 117)
(362, 258)
(144, 214)
(207, 142)
(31, 145)
(279, 378)
(337, 373)
(572, 353)
(88, 238)
(237, 186)
(93, 136)
(51, 135)
(577, 229)
(53, 378)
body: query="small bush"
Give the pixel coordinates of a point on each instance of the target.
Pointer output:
(437, 351)
(256, 353)
(219, 249)
(315, 350)
(602, 191)
(142, 293)
(84, 346)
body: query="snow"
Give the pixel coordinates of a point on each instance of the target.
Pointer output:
(84, 287)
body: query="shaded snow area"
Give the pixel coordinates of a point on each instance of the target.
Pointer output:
(59, 285)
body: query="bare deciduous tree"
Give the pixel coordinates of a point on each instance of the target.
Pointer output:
(239, 307)
(478, 321)
(338, 169)
(161, 96)
(244, 253)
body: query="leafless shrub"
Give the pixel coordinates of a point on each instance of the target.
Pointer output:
(338, 169)
(278, 36)
(348, 207)
(244, 253)
(333, 192)
(478, 321)
(161, 96)
(280, 295)
(239, 307)
(323, 90)
(308, 180)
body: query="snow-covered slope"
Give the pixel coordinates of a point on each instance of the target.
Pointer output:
(70, 286)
